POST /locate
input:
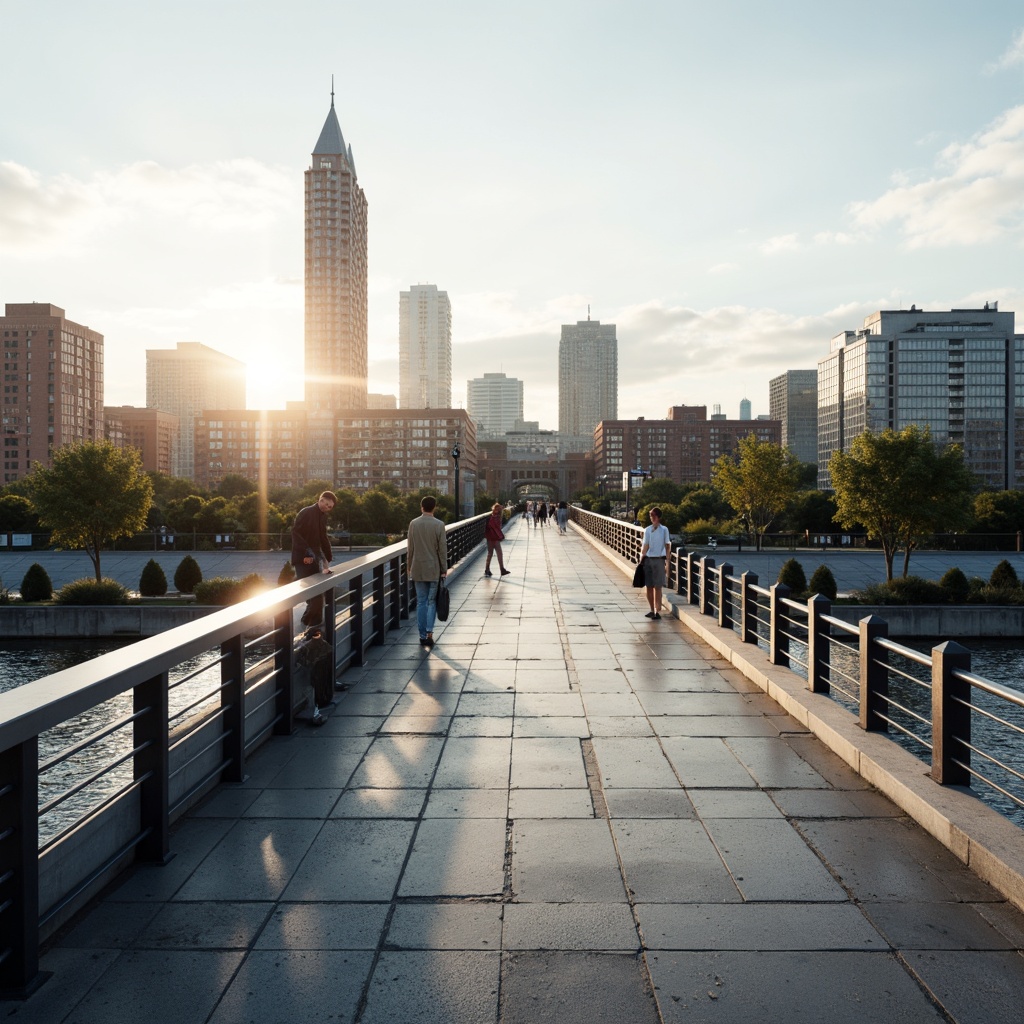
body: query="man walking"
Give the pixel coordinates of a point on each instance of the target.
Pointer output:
(655, 551)
(427, 562)
(310, 543)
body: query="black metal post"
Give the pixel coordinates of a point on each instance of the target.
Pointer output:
(456, 455)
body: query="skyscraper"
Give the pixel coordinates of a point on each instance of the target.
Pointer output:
(793, 400)
(958, 372)
(424, 348)
(495, 403)
(744, 408)
(53, 385)
(336, 292)
(185, 381)
(588, 381)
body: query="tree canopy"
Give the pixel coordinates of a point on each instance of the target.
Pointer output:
(899, 486)
(759, 481)
(92, 494)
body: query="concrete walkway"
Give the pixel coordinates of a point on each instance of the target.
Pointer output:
(564, 813)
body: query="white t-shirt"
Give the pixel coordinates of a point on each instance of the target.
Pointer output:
(657, 540)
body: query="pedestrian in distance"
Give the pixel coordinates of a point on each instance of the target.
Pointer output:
(427, 563)
(494, 535)
(542, 513)
(655, 551)
(562, 516)
(311, 550)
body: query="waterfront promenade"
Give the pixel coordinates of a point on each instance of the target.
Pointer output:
(563, 813)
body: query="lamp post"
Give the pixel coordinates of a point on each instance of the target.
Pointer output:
(456, 455)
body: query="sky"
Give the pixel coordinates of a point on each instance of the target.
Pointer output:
(731, 184)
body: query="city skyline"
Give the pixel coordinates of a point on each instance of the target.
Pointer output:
(766, 178)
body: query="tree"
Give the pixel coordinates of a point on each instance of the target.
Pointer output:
(999, 512)
(899, 486)
(234, 485)
(758, 480)
(92, 494)
(17, 514)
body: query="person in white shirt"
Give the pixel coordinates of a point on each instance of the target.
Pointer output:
(657, 544)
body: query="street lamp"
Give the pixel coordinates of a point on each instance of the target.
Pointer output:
(456, 455)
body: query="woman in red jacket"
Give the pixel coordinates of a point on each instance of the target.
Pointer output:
(494, 536)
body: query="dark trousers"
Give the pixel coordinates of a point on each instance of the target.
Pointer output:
(314, 613)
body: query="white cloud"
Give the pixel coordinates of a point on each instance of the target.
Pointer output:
(1013, 55)
(979, 198)
(723, 268)
(780, 243)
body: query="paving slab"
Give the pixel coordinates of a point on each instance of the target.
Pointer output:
(324, 925)
(446, 926)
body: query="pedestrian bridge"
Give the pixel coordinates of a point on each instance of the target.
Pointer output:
(563, 812)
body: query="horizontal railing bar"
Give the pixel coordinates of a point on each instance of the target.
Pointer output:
(89, 780)
(906, 732)
(889, 702)
(209, 695)
(991, 716)
(205, 720)
(991, 758)
(904, 652)
(845, 627)
(989, 782)
(221, 737)
(93, 812)
(988, 686)
(197, 671)
(205, 781)
(45, 766)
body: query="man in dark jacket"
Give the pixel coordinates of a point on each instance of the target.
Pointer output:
(310, 543)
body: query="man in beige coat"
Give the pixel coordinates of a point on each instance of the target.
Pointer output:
(427, 563)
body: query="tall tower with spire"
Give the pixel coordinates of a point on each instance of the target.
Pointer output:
(336, 290)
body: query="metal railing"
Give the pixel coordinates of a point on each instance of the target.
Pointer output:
(97, 761)
(966, 727)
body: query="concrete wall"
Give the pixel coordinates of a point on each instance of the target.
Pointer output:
(19, 622)
(950, 622)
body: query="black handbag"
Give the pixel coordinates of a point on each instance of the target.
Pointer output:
(639, 579)
(443, 600)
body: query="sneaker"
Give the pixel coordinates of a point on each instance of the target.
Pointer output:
(655, 616)
(318, 719)
(487, 572)
(650, 615)
(506, 572)
(429, 642)
(423, 640)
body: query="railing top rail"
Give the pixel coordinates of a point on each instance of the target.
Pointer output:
(33, 708)
(1015, 697)
(904, 652)
(843, 627)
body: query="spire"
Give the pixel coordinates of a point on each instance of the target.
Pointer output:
(331, 141)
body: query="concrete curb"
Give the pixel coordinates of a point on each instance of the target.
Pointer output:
(975, 834)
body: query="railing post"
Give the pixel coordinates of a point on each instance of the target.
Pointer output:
(778, 642)
(818, 650)
(379, 611)
(232, 700)
(395, 576)
(677, 568)
(151, 768)
(748, 608)
(284, 667)
(355, 604)
(19, 870)
(724, 597)
(691, 587)
(951, 717)
(704, 599)
(404, 586)
(874, 674)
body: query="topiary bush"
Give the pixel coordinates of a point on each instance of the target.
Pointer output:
(1004, 576)
(823, 582)
(153, 582)
(222, 590)
(87, 591)
(954, 582)
(286, 575)
(792, 575)
(187, 575)
(36, 584)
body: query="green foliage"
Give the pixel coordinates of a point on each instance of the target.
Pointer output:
(92, 494)
(998, 512)
(792, 575)
(221, 590)
(17, 514)
(235, 485)
(1004, 576)
(5, 594)
(286, 575)
(703, 502)
(153, 582)
(86, 591)
(659, 491)
(811, 512)
(669, 516)
(823, 582)
(187, 575)
(758, 481)
(36, 584)
(905, 590)
(900, 487)
(954, 582)
(698, 531)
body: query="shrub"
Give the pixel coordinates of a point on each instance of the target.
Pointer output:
(792, 575)
(1004, 576)
(36, 584)
(823, 582)
(153, 582)
(908, 590)
(954, 582)
(187, 575)
(222, 590)
(87, 591)
(286, 575)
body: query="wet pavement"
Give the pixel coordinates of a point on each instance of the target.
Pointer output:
(564, 812)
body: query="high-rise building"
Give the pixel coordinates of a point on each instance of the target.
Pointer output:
(958, 372)
(793, 400)
(152, 431)
(336, 291)
(53, 385)
(424, 348)
(186, 380)
(377, 401)
(588, 381)
(744, 408)
(495, 403)
(267, 446)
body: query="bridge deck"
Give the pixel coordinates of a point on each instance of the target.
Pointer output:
(565, 812)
